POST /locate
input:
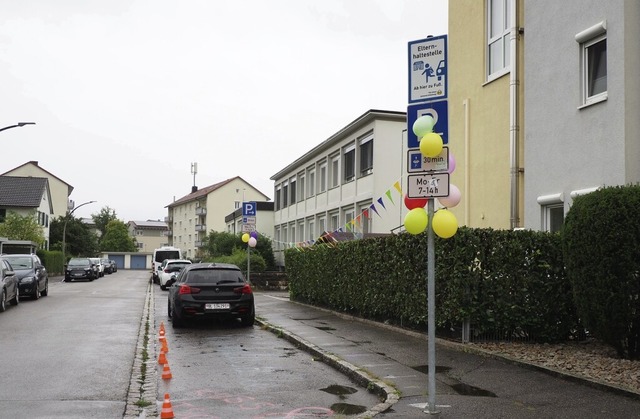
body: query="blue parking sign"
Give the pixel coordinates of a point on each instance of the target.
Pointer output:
(249, 209)
(438, 110)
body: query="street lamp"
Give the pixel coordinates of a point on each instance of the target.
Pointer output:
(19, 124)
(64, 230)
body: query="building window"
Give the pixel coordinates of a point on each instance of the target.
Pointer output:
(301, 231)
(312, 230)
(335, 171)
(552, 207)
(366, 157)
(285, 195)
(553, 217)
(323, 177)
(293, 232)
(593, 54)
(365, 217)
(301, 195)
(349, 220)
(312, 183)
(277, 199)
(322, 225)
(293, 190)
(349, 155)
(498, 26)
(335, 221)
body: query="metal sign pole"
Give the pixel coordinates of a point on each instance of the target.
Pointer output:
(431, 310)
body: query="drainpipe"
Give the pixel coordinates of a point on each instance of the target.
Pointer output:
(513, 116)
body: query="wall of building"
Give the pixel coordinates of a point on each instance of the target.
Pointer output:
(479, 124)
(571, 147)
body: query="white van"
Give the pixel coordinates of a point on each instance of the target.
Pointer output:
(160, 254)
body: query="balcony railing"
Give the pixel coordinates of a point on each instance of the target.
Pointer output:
(200, 243)
(169, 233)
(168, 219)
(201, 227)
(201, 211)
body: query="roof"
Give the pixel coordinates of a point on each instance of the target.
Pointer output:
(149, 224)
(207, 190)
(35, 163)
(23, 192)
(366, 118)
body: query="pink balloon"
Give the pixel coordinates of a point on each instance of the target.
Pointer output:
(453, 199)
(452, 162)
(252, 242)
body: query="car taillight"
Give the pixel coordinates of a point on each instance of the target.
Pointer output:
(243, 290)
(185, 289)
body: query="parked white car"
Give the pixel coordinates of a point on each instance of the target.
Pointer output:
(99, 264)
(168, 268)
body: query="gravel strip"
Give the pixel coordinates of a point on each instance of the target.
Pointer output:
(589, 359)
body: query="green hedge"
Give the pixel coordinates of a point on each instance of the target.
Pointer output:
(52, 260)
(602, 255)
(507, 281)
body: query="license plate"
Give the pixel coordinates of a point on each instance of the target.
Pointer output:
(219, 306)
(77, 274)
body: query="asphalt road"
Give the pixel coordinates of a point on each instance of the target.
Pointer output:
(69, 355)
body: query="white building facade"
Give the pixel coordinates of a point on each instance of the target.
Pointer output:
(350, 182)
(582, 103)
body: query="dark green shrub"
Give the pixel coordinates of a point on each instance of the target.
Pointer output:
(506, 281)
(239, 258)
(601, 244)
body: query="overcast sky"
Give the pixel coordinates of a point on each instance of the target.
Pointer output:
(126, 94)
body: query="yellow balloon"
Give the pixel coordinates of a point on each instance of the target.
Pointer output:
(431, 144)
(245, 237)
(444, 223)
(416, 220)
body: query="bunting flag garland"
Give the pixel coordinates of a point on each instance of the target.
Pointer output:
(351, 226)
(388, 193)
(398, 188)
(373, 207)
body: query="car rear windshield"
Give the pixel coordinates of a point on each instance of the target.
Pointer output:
(167, 254)
(20, 262)
(79, 262)
(214, 276)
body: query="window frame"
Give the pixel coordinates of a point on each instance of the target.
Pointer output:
(334, 172)
(501, 37)
(311, 178)
(322, 178)
(349, 163)
(366, 150)
(588, 78)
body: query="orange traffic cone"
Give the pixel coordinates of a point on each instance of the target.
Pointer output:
(167, 410)
(166, 372)
(162, 358)
(162, 331)
(164, 345)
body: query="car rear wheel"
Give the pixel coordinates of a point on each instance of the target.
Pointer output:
(177, 321)
(249, 320)
(16, 300)
(3, 301)
(45, 291)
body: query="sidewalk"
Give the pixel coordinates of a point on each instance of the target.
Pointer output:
(393, 362)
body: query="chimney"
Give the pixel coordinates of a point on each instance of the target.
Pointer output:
(194, 188)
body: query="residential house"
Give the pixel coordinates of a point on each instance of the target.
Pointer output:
(193, 216)
(485, 97)
(60, 190)
(351, 182)
(547, 87)
(582, 101)
(27, 196)
(149, 235)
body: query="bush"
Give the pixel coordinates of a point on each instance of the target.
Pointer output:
(510, 282)
(239, 258)
(601, 245)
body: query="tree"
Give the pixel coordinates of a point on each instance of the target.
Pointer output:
(103, 218)
(224, 244)
(116, 238)
(80, 240)
(18, 227)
